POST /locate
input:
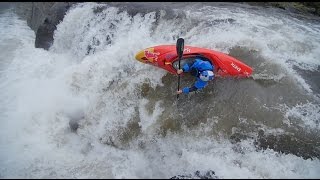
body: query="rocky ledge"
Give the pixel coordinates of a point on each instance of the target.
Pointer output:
(43, 17)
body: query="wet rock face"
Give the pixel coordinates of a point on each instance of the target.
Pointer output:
(307, 148)
(74, 125)
(33, 12)
(296, 7)
(44, 35)
(43, 18)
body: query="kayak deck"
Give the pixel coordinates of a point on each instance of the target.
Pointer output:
(165, 57)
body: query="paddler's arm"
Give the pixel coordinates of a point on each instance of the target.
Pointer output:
(186, 90)
(198, 85)
(185, 68)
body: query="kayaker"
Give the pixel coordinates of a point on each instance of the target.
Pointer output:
(202, 70)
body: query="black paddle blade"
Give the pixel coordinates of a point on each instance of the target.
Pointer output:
(180, 47)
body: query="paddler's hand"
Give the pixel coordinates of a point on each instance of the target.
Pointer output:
(179, 92)
(179, 71)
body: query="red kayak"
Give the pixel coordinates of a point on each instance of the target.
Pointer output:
(166, 57)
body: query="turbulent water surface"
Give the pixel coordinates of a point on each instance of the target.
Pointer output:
(127, 122)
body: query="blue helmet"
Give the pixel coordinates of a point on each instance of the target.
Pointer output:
(206, 75)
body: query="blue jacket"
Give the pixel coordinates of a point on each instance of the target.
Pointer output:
(198, 66)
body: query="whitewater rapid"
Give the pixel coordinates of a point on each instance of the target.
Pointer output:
(130, 125)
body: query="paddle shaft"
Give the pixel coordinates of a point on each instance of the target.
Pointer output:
(178, 80)
(179, 48)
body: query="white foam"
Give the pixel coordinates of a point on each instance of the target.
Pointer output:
(148, 118)
(180, 155)
(307, 115)
(285, 41)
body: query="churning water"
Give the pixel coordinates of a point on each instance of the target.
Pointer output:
(129, 122)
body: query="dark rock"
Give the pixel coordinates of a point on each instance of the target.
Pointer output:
(74, 125)
(44, 35)
(197, 175)
(237, 137)
(33, 12)
(43, 17)
(294, 7)
(288, 144)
